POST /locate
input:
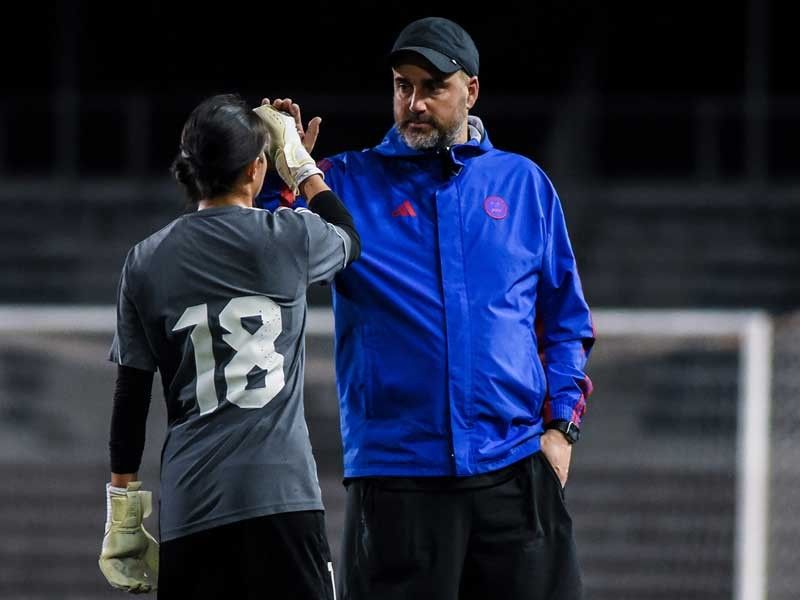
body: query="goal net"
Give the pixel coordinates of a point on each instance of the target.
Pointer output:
(684, 485)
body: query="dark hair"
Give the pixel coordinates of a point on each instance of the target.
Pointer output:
(219, 139)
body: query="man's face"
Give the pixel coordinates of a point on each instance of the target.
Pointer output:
(430, 108)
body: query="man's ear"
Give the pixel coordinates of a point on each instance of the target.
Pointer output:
(473, 87)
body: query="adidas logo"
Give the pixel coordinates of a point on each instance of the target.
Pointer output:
(406, 209)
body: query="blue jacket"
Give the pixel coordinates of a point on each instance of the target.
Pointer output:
(466, 276)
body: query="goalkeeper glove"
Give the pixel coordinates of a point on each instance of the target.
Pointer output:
(129, 557)
(286, 151)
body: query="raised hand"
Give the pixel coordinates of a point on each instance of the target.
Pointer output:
(307, 136)
(286, 150)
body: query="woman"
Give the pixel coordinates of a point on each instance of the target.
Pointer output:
(216, 302)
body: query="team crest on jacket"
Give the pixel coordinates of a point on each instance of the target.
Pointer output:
(495, 207)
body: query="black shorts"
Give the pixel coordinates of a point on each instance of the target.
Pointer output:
(506, 535)
(283, 556)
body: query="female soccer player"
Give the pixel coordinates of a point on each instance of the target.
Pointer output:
(216, 301)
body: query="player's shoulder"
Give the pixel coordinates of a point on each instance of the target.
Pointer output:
(298, 217)
(286, 220)
(142, 252)
(296, 227)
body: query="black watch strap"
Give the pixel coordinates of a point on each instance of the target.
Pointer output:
(568, 428)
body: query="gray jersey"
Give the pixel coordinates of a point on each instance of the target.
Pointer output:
(216, 301)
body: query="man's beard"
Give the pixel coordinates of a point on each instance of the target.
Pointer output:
(439, 135)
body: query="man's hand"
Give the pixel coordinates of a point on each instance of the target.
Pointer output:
(129, 557)
(558, 452)
(308, 136)
(286, 151)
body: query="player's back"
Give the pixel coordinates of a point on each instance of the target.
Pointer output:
(196, 275)
(216, 302)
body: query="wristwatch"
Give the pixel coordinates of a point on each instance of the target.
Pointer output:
(568, 428)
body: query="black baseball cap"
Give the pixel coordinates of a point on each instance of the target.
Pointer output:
(442, 42)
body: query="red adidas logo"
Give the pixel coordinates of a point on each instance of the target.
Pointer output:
(406, 209)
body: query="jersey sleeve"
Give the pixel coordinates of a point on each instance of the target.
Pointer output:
(320, 249)
(328, 247)
(130, 347)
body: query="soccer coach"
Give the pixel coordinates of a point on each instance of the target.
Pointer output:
(461, 339)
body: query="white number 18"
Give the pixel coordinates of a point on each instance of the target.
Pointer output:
(252, 350)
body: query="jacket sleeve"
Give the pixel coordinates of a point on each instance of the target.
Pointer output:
(563, 321)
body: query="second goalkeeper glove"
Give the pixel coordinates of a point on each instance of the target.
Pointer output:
(129, 557)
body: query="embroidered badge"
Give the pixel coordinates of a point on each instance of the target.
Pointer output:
(495, 207)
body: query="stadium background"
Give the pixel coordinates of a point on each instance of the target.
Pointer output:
(667, 129)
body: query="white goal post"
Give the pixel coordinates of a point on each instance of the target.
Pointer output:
(753, 329)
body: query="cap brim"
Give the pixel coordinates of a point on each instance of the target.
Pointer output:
(442, 63)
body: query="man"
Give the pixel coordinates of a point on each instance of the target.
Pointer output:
(457, 436)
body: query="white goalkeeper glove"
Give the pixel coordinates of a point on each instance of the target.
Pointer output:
(286, 151)
(129, 557)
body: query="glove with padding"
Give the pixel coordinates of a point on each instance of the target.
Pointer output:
(129, 557)
(286, 151)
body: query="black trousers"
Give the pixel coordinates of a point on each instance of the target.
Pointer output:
(283, 556)
(509, 540)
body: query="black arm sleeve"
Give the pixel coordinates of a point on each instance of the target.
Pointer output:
(129, 418)
(328, 206)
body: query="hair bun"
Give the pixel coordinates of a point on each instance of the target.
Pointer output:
(185, 172)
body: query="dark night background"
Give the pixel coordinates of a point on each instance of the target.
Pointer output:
(669, 53)
(668, 128)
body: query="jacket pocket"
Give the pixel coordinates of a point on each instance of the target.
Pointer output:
(355, 360)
